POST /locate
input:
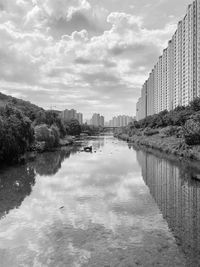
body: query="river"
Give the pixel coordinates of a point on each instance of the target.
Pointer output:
(117, 206)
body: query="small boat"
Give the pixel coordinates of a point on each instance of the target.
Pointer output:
(88, 149)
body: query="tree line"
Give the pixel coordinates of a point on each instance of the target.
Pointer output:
(22, 128)
(183, 121)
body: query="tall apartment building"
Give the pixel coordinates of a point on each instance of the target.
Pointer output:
(97, 120)
(175, 79)
(68, 115)
(120, 121)
(79, 117)
(102, 121)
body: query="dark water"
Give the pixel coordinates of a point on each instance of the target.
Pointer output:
(115, 207)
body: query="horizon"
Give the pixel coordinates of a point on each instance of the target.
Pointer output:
(82, 54)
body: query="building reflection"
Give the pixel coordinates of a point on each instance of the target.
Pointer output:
(178, 198)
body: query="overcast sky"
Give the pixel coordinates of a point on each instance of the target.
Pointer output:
(91, 55)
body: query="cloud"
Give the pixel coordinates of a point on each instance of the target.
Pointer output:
(77, 53)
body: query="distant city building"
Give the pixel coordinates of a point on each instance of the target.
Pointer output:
(121, 121)
(97, 120)
(175, 79)
(68, 115)
(102, 121)
(79, 117)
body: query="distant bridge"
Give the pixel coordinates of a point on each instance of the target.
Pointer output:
(106, 128)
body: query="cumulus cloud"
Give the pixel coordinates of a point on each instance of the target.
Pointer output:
(76, 53)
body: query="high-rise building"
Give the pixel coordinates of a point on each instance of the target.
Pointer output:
(121, 121)
(175, 79)
(79, 117)
(102, 121)
(68, 115)
(97, 120)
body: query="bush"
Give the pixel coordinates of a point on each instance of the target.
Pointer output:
(195, 104)
(192, 132)
(50, 136)
(150, 132)
(50, 118)
(169, 131)
(73, 127)
(56, 134)
(16, 134)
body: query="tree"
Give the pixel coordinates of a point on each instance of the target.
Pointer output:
(195, 104)
(16, 133)
(73, 127)
(50, 118)
(51, 136)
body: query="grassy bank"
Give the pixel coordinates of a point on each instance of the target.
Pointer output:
(169, 145)
(176, 132)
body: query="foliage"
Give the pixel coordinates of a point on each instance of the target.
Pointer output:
(169, 131)
(150, 132)
(50, 118)
(28, 109)
(176, 117)
(90, 129)
(73, 127)
(56, 133)
(16, 133)
(50, 135)
(183, 121)
(192, 132)
(195, 104)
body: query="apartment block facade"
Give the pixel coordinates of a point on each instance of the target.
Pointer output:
(97, 120)
(175, 79)
(120, 121)
(71, 114)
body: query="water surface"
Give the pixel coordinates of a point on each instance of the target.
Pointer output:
(113, 207)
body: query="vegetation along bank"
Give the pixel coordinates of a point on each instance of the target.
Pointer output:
(176, 132)
(25, 127)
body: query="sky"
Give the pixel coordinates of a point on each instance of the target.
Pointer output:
(90, 55)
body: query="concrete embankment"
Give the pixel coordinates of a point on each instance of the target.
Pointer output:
(169, 145)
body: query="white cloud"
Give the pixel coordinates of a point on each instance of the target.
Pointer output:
(108, 66)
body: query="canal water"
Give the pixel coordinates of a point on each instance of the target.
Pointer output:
(117, 206)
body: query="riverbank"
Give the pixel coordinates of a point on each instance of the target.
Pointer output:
(41, 147)
(170, 145)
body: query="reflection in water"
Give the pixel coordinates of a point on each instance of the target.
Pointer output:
(50, 163)
(15, 184)
(178, 197)
(88, 210)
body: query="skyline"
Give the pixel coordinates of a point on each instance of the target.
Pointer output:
(81, 54)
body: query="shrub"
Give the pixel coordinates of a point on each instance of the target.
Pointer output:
(55, 132)
(50, 136)
(50, 118)
(73, 127)
(195, 104)
(16, 134)
(192, 132)
(169, 131)
(150, 132)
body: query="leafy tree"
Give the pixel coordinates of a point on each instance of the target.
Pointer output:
(50, 118)
(56, 133)
(73, 127)
(16, 133)
(195, 104)
(192, 132)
